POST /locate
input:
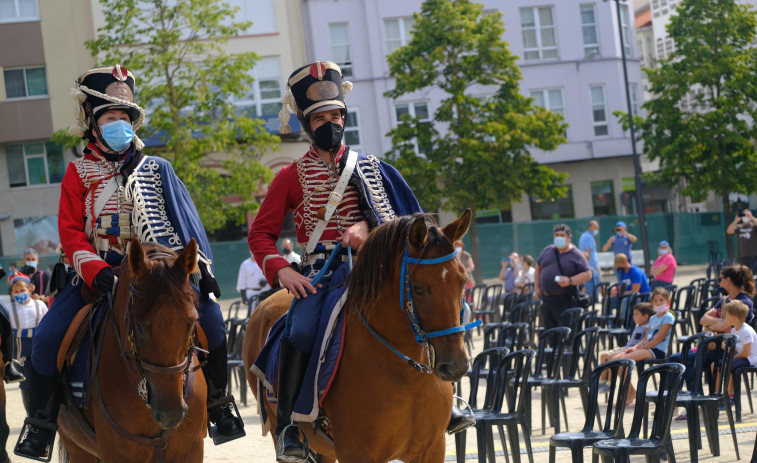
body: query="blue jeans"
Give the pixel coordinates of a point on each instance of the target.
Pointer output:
(591, 285)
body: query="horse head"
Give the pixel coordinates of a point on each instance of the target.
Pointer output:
(437, 292)
(158, 319)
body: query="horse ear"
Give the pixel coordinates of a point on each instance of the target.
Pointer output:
(418, 233)
(137, 261)
(457, 229)
(187, 260)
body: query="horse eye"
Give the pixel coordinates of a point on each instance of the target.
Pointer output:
(418, 291)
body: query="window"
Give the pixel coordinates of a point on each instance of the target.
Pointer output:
(25, 83)
(264, 95)
(34, 163)
(549, 99)
(553, 208)
(625, 24)
(397, 33)
(18, 10)
(599, 110)
(260, 12)
(589, 29)
(602, 198)
(417, 109)
(352, 130)
(539, 38)
(340, 47)
(633, 90)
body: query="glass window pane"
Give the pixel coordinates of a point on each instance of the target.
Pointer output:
(527, 17)
(545, 17)
(14, 83)
(7, 10)
(599, 115)
(34, 148)
(338, 33)
(341, 53)
(392, 29)
(529, 39)
(270, 108)
(531, 55)
(400, 109)
(28, 8)
(14, 155)
(55, 165)
(553, 208)
(550, 54)
(269, 89)
(597, 96)
(587, 14)
(421, 110)
(548, 37)
(36, 81)
(538, 98)
(603, 198)
(350, 120)
(37, 174)
(600, 130)
(590, 34)
(555, 99)
(351, 138)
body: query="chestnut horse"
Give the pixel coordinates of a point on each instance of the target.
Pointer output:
(378, 406)
(147, 399)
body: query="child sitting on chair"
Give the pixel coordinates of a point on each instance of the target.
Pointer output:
(658, 335)
(746, 351)
(641, 314)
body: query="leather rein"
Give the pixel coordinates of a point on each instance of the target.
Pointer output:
(133, 360)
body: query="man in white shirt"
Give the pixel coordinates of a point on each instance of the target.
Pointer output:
(287, 249)
(251, 280)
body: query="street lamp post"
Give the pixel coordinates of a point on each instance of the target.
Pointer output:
(636, 160)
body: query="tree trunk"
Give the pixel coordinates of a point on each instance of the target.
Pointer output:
(726, 220)
(473, 234)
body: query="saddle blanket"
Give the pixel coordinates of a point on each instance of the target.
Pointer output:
(322, 365)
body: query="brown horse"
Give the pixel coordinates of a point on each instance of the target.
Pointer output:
(380, 408)
(147, 397)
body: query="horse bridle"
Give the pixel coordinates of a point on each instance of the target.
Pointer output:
(421, 336)
(160, 441)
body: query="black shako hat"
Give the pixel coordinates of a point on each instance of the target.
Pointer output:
(113, 81)
(312, 88)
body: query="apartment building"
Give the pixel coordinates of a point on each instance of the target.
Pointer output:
(43, 51)
(570, 56)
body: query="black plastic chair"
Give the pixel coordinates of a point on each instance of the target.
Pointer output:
(724, 346)
(234, 309)
(739, 376)
(576, 373)
(235, 364)
(527, 312)
(485, 367)
(512, 377)
(572, 319)
(547, 364)
(508, 302)
(510, 335)
(658, 443)
(619, 372)
(683, 302)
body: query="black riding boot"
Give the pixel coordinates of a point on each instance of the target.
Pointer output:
(459, 420)
(222, 411)
(44, 403)
(13, 372)
(292, 366)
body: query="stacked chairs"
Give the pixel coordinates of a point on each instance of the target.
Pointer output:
(601, 291)
(510, 335)
(551, 348)
(234, 362)
(509, 301)
(508, 411)
(658, 442)
(619, 373)
(576, 374)
(527, 312)
(683, 303)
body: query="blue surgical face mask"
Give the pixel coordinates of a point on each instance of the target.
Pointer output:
(118, 135)
(561, 241)
(595, 232)
(31, 263)
(21, 298)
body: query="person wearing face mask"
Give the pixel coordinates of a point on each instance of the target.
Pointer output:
(664, 268)
(467, 260)
(39, 278)
(25, 315)
(336, 196)
(287, 250)
(553, 285)
(735, 283)
(588, 245)
(111, 195)
(745, 225)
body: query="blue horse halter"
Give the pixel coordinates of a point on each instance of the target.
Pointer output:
(421, 336)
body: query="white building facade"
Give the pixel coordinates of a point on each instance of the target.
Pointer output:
(570, 56)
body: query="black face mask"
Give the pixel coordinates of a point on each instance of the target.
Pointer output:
(287, 252)
(328, 136)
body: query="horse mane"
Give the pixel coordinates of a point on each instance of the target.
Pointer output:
(380, 258)
(163, 283)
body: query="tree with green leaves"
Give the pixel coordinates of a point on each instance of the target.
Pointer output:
(186, 82)
(475, 154)
(700, 123)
